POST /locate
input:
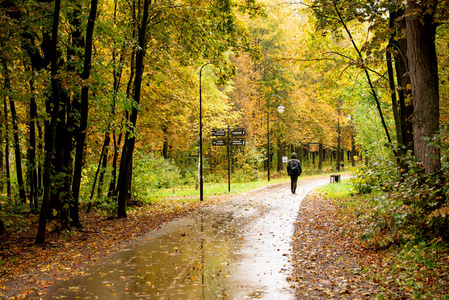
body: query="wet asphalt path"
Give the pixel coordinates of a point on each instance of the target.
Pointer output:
(236, 250)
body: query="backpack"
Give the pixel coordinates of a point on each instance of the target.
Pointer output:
(295, 168)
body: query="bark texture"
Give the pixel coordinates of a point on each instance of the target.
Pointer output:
(421, 54)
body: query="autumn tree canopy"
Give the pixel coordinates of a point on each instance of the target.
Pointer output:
(88, 85)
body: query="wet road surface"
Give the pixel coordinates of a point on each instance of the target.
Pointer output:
(236, 250)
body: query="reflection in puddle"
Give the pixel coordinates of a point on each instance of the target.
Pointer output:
(238, 250)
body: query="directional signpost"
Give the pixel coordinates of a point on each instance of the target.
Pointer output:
(219, 142)
(219, 132)
(238, 142)
(238, 132)
(229, 137)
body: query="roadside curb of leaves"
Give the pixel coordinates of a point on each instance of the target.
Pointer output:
(328, 259)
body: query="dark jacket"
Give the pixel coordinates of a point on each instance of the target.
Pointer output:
(293, 157)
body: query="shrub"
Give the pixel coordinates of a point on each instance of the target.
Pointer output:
(378, 175)
(414, 205)
(151, 172)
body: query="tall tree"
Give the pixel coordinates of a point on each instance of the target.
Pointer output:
(423, 65)
(32, 162)
(124, 178)
(6, 133)
(15, 127)
(80, 143)
(50, 127)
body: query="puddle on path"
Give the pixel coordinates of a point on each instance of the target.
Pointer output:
(238, 250)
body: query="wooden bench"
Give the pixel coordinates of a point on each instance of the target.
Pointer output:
(335, 178)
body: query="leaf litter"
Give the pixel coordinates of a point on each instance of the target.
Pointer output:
(329, 261)
(26, 269)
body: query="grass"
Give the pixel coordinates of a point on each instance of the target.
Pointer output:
(215, 189)
(212, 189)
(337, 190)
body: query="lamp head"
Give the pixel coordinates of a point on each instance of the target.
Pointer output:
(281, 108)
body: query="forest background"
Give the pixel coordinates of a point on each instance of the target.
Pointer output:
(101, 102)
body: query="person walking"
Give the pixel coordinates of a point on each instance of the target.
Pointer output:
(294, 170)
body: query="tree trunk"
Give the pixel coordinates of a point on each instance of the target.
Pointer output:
(32, 172)
(2, 133)
(15, 127)
(403, 79)
(124, 180)
(421, 54)
(102, 158)
(104, 163)
(40, 147)
(2, 227)
(280, 164)
(353, 151)
(50, 128)
(61, 164)
(321, 155)
(112, 186)
(6, 130)
(394, 101)
(18, 155)
(74, 201)
(165, 142)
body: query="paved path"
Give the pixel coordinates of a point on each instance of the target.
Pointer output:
(236, 250)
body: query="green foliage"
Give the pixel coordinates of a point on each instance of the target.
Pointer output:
(362, 180)
(413, 263)
(107, 205)
(378, 175)
(406, 203)
(151, 172)
(246, 167)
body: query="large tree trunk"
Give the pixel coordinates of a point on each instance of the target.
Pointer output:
(50, 128)
(400, 94)
(40, 147)
(124, 179)
(61, 164)
(74, 211)
(423, 66)
(2, 227)
(112, 185)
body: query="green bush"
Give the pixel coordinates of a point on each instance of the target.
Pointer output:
(411, 203)
(151, 172)
(379, 175)
(407, 203)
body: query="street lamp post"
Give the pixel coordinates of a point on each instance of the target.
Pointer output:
(352, 140)
(201, 139)
(338, 144)
(281, 109)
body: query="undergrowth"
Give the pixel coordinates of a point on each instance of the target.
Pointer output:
(413, 264)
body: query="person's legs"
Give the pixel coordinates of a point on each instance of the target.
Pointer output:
(294, 180)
